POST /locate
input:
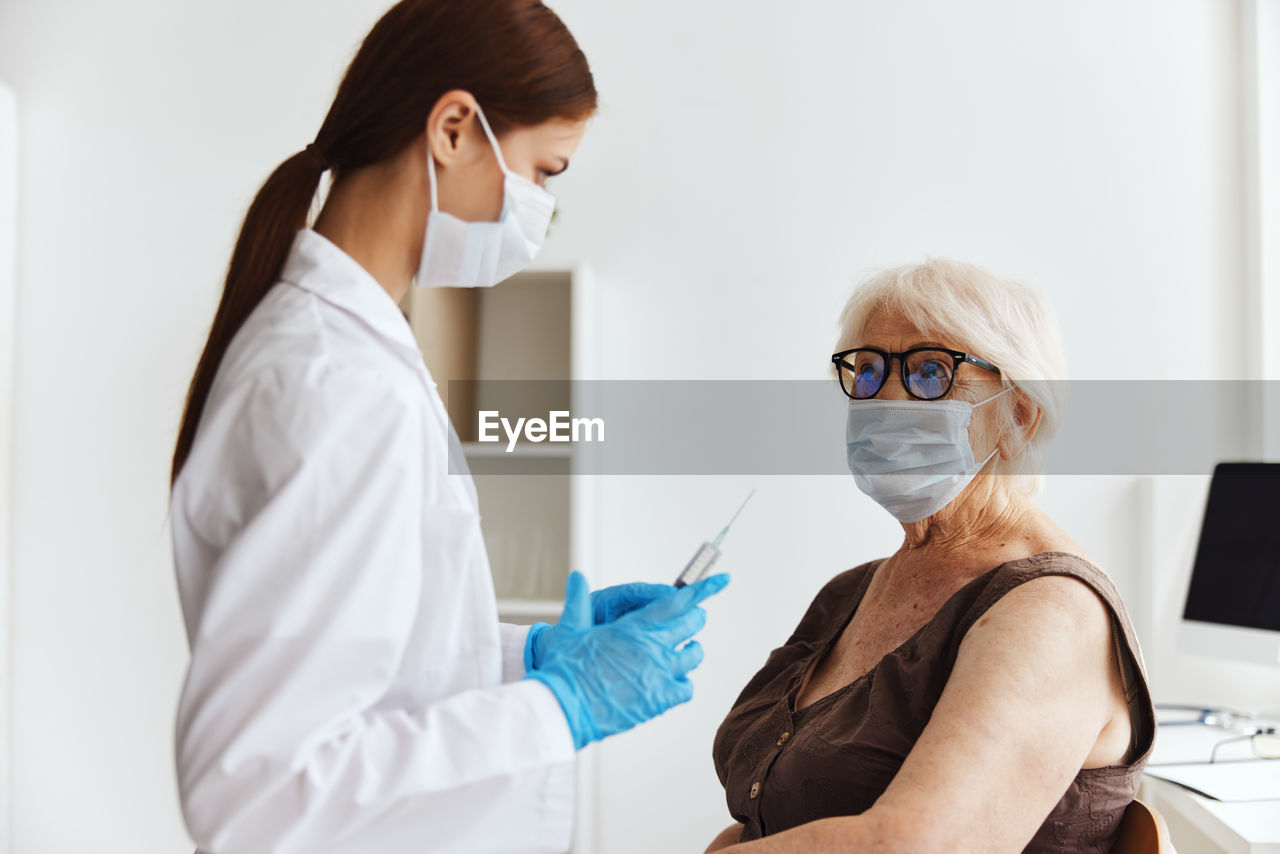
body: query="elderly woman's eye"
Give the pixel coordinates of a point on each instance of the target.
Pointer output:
(868, 365)
(929, 377)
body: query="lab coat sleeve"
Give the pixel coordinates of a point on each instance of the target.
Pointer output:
(514, 639)
(306, 617)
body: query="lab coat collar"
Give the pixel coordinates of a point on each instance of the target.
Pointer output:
(319, 267)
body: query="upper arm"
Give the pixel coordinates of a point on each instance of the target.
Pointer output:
(725, 838)
(1030, 692)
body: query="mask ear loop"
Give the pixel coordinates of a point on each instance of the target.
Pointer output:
(431, 179)
(994, 396)
(493, 140)
(996, 449)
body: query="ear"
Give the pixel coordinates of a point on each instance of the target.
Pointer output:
(449, 125)
(1026, 423)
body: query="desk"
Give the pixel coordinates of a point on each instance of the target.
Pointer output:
(1200, 825)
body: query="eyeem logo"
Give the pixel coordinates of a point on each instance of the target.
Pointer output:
(559, 427)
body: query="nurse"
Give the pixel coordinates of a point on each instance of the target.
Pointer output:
(350, 688)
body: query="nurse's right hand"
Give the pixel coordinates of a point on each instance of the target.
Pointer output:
(609, 678)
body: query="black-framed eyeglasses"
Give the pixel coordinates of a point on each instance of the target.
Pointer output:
(927, 372)
(1265, 744)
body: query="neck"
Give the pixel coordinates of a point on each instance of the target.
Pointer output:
(986, 513)
(375, 217)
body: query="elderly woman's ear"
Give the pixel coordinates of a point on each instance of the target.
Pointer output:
(1024, 423)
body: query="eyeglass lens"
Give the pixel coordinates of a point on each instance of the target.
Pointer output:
(928, 372)
(1266, 745)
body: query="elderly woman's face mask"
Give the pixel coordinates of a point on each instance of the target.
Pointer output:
(912, 457)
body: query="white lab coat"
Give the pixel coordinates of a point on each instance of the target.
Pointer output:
(350, 687)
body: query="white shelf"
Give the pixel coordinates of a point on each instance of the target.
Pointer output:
(487, 450)
(529, 607)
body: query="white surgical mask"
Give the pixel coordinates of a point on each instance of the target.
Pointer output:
(461, 254)
(912, 456)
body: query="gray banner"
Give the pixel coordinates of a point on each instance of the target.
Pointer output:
(798, 427)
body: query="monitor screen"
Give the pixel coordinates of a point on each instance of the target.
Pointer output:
(1236, 577)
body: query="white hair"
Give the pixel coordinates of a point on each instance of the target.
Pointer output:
(1007, 323)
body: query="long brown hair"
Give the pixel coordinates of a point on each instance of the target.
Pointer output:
(515, 56)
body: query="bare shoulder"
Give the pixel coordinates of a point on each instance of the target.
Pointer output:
(1052, 619)
(1047, 595)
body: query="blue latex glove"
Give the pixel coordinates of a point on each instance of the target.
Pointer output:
(607, 605)
(611, 603)
(610, 677)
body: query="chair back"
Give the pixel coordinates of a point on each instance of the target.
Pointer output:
(1142, 831)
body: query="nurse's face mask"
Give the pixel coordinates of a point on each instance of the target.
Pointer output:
(461, 254)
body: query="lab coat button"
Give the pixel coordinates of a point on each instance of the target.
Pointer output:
(755, 790)
(782, 739)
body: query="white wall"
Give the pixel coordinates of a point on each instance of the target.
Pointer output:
(8, 296)
(748, 165)
(1260, 64)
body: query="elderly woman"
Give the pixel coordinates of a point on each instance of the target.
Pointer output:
(980, 689)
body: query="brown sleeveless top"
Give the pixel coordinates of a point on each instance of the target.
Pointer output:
(841, 752)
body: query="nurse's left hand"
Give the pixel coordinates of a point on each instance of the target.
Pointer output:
(607, 605)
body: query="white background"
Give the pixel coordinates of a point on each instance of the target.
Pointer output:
(750, 162)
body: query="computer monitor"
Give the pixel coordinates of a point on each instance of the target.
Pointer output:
(1233, 600)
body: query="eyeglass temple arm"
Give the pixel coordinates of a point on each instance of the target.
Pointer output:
(981, 363)
(1214, 753)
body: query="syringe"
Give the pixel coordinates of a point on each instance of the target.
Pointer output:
(708, 553)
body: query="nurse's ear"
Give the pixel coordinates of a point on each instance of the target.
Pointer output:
(452, 130)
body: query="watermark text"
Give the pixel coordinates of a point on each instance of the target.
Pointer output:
(558, 426)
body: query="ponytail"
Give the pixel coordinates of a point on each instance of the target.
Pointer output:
(275, 217)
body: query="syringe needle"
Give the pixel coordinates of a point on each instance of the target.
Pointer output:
(740, 506)
(720, 536)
